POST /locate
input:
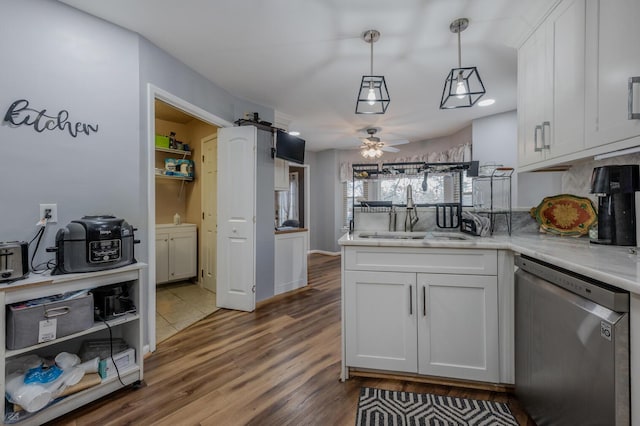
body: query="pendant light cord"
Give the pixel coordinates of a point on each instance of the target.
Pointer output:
(459, 48)
(371, 42)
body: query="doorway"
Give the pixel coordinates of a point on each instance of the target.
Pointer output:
(181, 192)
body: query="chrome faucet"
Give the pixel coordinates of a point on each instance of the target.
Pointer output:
(392, 218)
(411, 217)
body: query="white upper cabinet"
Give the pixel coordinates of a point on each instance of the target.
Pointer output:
(532, 87)
(613, 58)
(566, 49)
(551, 86)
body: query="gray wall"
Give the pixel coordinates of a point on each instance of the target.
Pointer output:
(326, 201)
(495, 140)
(265, 218)
(59, 58)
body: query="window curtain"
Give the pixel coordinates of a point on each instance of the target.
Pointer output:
(288, 201)
(460, 153)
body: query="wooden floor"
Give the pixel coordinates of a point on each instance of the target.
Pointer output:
(276, 366)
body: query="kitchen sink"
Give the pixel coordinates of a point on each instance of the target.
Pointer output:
(394, 235)
(447, 236)
(451, 236)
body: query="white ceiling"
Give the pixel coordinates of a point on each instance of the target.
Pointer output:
(305, 58)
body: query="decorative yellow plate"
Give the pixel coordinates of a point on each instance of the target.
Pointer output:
(566, 214)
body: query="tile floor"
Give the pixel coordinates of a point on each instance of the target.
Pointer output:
(178, 305)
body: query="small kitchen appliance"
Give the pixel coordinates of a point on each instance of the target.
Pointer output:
(112, 301)
(94, 243)
(14, 260)
(615, 188)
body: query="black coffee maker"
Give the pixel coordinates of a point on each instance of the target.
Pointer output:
(615, 187)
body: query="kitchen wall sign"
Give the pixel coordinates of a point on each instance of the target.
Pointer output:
(20, 114)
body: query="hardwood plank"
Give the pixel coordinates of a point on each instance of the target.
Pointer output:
(278, 365)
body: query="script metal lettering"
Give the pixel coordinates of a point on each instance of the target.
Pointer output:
(20, 114)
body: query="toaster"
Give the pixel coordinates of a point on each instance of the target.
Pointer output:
(14, 260)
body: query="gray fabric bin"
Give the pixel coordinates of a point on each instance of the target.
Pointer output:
(23, 323)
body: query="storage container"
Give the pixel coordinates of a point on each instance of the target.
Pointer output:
(162, 141)
(33, 322)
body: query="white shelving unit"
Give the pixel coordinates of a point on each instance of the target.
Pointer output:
(128, 327)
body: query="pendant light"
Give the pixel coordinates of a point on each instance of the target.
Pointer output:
(463, 86)
(373, 96)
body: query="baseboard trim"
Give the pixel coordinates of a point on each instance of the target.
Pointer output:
(326, 253)
(494, 387)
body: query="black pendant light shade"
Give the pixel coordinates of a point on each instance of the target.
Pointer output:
(463, 86)
(373, 95)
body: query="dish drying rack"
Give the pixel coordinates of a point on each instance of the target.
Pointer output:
(496, 177)
(448, 215)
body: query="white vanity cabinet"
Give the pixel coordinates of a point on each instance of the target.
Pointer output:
(128, 327)
(430, 311)
(176, 252)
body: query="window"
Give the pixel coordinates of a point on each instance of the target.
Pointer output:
(440, 188)
(361, 192)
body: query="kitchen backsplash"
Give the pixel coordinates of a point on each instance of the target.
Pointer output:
(577, 179)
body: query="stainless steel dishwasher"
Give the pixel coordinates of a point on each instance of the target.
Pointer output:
(572, 347)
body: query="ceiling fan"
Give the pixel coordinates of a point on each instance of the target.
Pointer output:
(372, 146)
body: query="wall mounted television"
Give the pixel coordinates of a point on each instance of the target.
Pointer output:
(290, 148)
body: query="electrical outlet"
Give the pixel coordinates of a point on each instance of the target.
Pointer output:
(53, 213)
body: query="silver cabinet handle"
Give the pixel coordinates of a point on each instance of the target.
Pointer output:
(633, 115)
(544, 137)
(535, 138)
(424, 301)
(410, 300)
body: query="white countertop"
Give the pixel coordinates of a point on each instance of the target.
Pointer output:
(610, 264)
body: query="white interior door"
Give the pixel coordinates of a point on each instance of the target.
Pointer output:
(236, 256)
(208, 237)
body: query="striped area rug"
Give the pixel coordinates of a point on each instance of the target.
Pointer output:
(381, 407)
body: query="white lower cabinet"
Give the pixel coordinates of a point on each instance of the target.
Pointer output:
(436, 324)
(176, 252)
(290, 269)
(381, 320)
(458, 326)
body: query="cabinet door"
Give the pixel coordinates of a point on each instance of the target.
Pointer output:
(162, 257)
(613, 56)
(182, 250)
(290, 262)
(531, 95)
(458, 326)
(281, 175)
(380, 323)
(563, 129)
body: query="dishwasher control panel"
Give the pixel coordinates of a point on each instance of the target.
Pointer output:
(615, 299)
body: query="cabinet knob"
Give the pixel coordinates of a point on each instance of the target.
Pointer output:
(234, 230)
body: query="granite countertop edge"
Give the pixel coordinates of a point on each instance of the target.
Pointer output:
(615, 265)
